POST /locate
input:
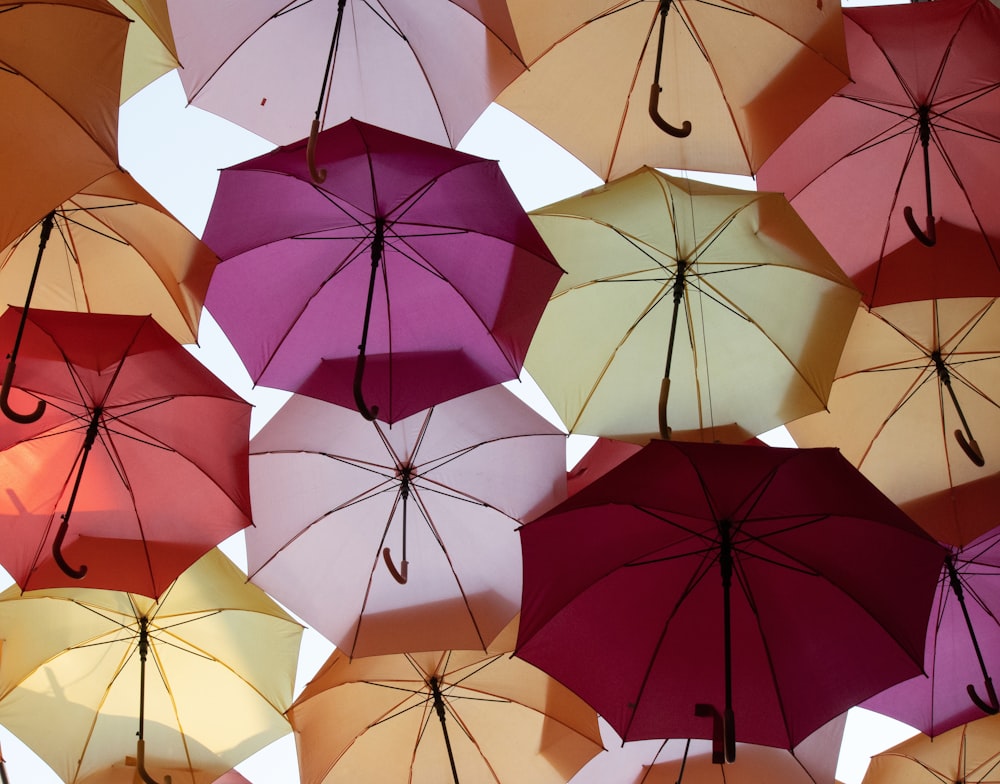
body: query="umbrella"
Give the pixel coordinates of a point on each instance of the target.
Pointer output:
(150, 51)
(756, 309)
(204, 673)
(899, 159)
(427, 71)
(376, 718)
(441, 491)
(111, 248)
(59, 85)
(127, 773)
(914, 405)
(734, 77)
(724, 591)
(965, 755)
(139, 442)
(962, 648)
(413, 260)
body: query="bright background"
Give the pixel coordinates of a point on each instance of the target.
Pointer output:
(176, 152)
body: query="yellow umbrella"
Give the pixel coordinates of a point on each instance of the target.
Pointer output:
(434, 717)
(150, 51)
(720, 296)
(221, 666)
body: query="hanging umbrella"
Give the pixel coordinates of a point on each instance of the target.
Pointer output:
(962, 649)
(127, 773)
(339, 501)
(729, 283)
(731, 592)
(150, 51)
(204, 673)
(112, 248)
(139, 442)
(899, 159)
(426, 70)
(60, 80)
(965, 755)
(914, 405)
(439, 716)
(413, 260)
(684, 84)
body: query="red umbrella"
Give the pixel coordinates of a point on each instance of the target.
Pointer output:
(901, 158)
(413, 260)
(138, 466)
(697, 584)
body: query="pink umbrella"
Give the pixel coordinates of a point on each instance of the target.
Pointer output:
(412, 259)
(337, 499)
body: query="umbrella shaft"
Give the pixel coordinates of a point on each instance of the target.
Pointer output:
(329, 57)
(439, 708)
(956, 587)
(47, 223)
(678, 297)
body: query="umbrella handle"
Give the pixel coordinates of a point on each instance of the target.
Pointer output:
(399, 576)
(11, 414)
(659, 122)
(971, 449)
(993, 706)
(57, 543)
(930, 237)
(318, 175)
(662, 409)
(359, 398)
(140, 764)
(723, 732)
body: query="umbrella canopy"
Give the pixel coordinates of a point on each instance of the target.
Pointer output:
(736, 592)
(59, 85)
(74, 680)
(126, 773)
(426, 718)
(729, 284)
(413, 260)
(439, 493)
(899, 159)
(963, 646)
(966, 755)
(914, 407)
(139, 442)
(426, 70)
(150, 51)
(737, 75)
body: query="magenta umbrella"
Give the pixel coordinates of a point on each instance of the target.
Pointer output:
(732, 592)
(402, 538)
(410, 277)
(962, 648)
(894, 173)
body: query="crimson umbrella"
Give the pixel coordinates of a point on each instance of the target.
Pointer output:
(413, 260)
(136, 468)
(697, 585)
(901, 158)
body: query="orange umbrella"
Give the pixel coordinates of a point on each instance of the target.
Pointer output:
(60, 83)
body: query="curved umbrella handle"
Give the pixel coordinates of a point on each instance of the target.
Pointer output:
(659, 122)
(140, 764)
(707, 710)
(971, 448)
(993, 706)
(318, 175)
(399, 576)
(57, 543)
(11, 414)
(662, 409)
(930, 237)
(359, 399)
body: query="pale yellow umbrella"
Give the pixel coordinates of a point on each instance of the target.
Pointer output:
(150, 50)
(219, 671)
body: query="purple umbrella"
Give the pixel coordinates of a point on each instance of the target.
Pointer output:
(409, 277)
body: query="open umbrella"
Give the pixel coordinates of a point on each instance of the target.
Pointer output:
(339, 501)
(413, 260)
(914, 406)
(138, 465)
(732, 78)
(431, 717)
(150, 51)
(900, 158)
(718, 297)
(426, 70)
(963, 645)
(732, 592)
(111, 248)
(965, 755)
(202, 676)
(60, 81)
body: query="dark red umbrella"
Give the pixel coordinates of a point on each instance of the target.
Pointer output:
(736, 592)
(137, 467)
(411, 276)
(895, 174)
